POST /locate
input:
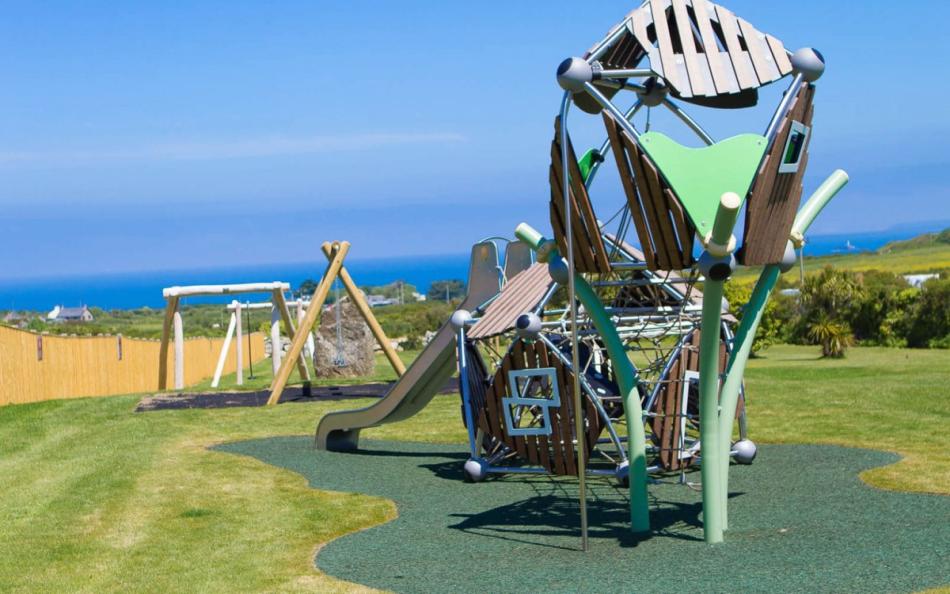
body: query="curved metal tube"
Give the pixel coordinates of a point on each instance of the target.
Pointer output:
(690, 122)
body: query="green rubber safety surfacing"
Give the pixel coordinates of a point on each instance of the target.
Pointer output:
(700, 176)
(801, 520)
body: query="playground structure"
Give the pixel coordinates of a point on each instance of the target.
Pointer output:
(235, 328)
(603, 336)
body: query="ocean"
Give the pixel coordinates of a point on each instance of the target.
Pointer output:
(134, 290)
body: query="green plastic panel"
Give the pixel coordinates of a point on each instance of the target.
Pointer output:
(586, 163)
(700, 176)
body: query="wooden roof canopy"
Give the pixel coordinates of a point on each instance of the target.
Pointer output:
(701, 50)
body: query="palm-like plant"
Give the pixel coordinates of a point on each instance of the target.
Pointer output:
(834, 337)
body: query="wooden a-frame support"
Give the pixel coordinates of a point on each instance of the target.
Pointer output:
(335, 253)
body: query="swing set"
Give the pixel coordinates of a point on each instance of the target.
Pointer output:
(299, 333)
(335, 252)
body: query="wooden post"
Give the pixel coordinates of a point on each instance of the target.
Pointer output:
(291, 332)
(179, 351)
(316, 304)
(170, 308)
(309, 345)
(239, 343)
(275, 344)
(356, 296)
(225, 349)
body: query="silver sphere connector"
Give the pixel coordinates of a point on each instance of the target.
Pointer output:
(622, 473)
(745, 451)
(475, 470)
(528, 326)
(808, 62)
(573, 73)
(717, 268)
(788, 258)
(460, 318)
(557, 268)
(655, 92)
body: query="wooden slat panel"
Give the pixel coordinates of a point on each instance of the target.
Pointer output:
(675, 429)
(555, 462)
(629, 185)
(741, 62)
(774, 200)
(665, 42)
(693, 69)
(584, 259)
(559, 227)
(517, 362)
(652, 195)
(684, 228)
(762, 60)
(664, 425)
(586, 211)
(492, 406)
(564, 418)
(724, 78)
(582, 237)
(639, 21)
(626, 53)
(522, 442)
(778, 53)
(521, 294)
(544, 446)
(644, 190)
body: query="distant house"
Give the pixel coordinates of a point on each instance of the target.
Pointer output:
(70, 314)
(917, 280)
(380, 300)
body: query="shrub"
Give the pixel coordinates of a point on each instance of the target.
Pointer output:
(930, 322)
(834, 337)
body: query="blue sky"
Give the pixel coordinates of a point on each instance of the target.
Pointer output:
(168, 135)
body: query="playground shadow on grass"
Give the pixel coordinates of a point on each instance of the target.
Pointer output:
(803, 522)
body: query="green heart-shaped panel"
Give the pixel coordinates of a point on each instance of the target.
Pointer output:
(700, 176)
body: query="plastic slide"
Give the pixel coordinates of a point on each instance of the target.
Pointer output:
(340, 431)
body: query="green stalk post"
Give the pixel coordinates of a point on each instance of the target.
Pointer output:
(742, 347)
(752, 316)
(719, 243)
(626, 378)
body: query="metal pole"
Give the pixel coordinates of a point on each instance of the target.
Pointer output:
(690, 122)
(782, 109)
(575, 348)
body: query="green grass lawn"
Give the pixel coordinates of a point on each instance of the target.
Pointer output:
(98, 498)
